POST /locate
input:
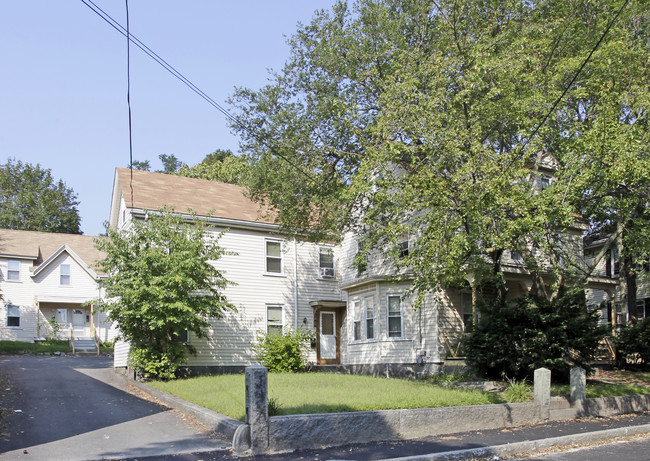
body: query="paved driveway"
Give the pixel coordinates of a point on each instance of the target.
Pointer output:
(77, 408)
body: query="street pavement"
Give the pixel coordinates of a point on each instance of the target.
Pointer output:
(77, 408)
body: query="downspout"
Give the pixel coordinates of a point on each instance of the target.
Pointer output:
(295, 284)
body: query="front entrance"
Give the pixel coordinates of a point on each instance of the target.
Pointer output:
(79, 323)
(327, 335)
(328, 319)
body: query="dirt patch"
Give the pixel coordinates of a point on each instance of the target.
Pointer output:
(617, 377)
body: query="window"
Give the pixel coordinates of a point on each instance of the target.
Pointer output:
(274, 319)
(13, 270)
(544, 182)
(611, 262)
(273, 256)
(62, 316)
(326, 262)
(466, 311)
(642, 308)
(184, 336)
(403, 246)
(394, 316)
(360, 260)
(356, 316)
(13, 316)
(65, 274)
(370, 318)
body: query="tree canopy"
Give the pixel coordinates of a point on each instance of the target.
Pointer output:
(30, 199)
(432, 118)
(220, 165)
(162, 284)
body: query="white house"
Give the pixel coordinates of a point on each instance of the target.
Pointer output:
(363, 320)
(49, 285)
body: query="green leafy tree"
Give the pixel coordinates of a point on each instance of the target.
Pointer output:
(30, 199)
(427, 118)
(221, 165)
(141, 165)
(162, 283)
(170, 163)
(512, 339)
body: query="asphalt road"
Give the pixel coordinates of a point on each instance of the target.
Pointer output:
(637, 449)
(77, 408)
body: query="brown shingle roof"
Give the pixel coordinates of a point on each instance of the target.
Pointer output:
(152, 191)
(40, 245)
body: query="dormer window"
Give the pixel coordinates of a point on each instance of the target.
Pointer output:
(13, 270)
(326, 262)
(544, 182)
(65, 274)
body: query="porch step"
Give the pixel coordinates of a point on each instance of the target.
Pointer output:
(85, 346)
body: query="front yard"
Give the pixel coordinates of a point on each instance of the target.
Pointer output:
(302, 393)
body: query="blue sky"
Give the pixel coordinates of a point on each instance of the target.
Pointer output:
(63, 82)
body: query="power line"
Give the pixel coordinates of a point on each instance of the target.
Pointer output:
(169, 68)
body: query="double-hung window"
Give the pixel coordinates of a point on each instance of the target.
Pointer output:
(395, 316)
(326, 262)
(13, 270)
(356, 316)
(403, 246)
(65, 274)
(13, 316)
(273, 252)
(274, 319)
(369, 309)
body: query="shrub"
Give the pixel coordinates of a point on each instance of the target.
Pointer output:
(283, 352)
(517, 391)
(633, 343)
(513, 338)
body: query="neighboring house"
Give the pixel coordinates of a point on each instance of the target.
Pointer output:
(49, 285)
(280, 283)
(364, 321)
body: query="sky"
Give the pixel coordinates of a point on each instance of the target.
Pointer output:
(63, 83)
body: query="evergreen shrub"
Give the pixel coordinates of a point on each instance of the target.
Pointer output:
(283, 352)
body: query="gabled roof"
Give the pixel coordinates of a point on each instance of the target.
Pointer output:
(43, 247)
(152, 191)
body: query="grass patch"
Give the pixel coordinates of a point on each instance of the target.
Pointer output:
(602, 390)
(456, 377)
(518, 391)
(48, 346)
(301, 393)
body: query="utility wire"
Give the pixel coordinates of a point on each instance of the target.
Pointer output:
(128, 99)
(169, 68)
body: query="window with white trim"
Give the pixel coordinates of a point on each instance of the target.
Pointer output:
(369, 310)
(326, 262)
(466, 311)
(544, 182)
(274, 319)
(356, 320)
(395, 316)
(13, 315)
(273, 255)
(62, 316)
(403, 246)
(64, 274)
(13, 270)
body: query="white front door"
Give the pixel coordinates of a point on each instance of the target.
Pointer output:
(78, 322)
(327, 335)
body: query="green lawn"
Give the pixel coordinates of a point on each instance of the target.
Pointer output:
(49, 346)
(328, 393)
(322, 393)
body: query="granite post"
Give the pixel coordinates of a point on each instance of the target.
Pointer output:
(257, 407)
(542, 391)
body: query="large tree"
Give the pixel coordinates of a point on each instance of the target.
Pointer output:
(430, 118)
(30, 199)
(162, 284)
(220, 165)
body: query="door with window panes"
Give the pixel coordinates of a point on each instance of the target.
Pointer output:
(328, 330)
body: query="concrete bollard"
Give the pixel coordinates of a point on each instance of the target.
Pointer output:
(578, 385)
(542, 391)
(257, 408)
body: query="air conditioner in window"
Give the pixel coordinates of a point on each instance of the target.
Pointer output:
(327, 272)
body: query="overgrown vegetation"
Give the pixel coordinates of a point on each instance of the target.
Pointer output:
(163, 286)
(284, 352)
(633, 344)
(513, 338)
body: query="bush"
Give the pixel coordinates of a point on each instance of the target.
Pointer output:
(633, 343)
(512, 339)
(283, 352)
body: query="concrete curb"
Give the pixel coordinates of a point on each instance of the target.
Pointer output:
(512, 449)
(220, 423)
